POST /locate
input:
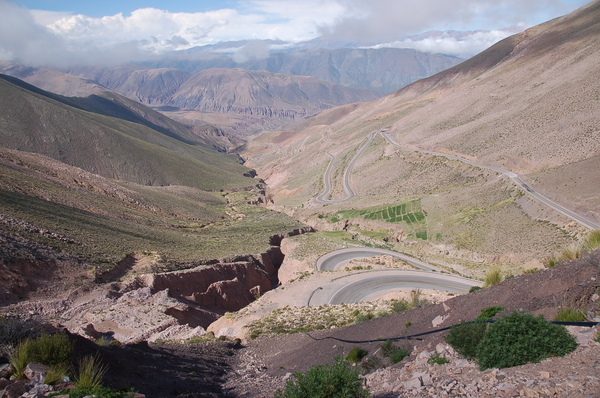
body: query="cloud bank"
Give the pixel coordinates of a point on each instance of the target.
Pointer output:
(42, 38)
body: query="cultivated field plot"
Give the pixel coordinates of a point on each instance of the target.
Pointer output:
(409, 214)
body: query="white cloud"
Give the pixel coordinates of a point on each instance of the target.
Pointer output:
(464, 45)
(386, 20)
(41, 38)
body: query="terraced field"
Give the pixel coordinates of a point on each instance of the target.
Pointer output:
(409, 214)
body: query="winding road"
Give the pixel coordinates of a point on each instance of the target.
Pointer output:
(327, 176)
(514, 177)
(335, 260)
(370, 285)
(367, 285)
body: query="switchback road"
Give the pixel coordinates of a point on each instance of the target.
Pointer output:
(367, 285)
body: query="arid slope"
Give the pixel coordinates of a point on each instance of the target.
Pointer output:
(529, 104)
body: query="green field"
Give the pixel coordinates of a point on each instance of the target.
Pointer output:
(409, 214)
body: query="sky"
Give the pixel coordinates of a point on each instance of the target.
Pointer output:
(63, 33)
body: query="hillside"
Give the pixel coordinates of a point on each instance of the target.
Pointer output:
(495, 109)
(113, 137)
(96, 181)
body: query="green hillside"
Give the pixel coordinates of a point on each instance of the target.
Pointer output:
(131, 149)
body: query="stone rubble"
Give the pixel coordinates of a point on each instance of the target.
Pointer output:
(577, 375)
(33, 386)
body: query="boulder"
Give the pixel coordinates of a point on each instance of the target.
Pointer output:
(37, 372)
(16, 389)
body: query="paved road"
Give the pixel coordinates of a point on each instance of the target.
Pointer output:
(347, 172)
(362, 286)
(367, 285)
(515, 178)
(337, 259)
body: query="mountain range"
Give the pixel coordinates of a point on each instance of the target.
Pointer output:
(117, 222)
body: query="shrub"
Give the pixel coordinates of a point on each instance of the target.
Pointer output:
(571, 252)
(474, 289)
(54, 351)
(337, 380)
(398, 355)
(489, 312)
(90, 372)
(592, 241)
(520, 338)
(465, 337)
(14, 330)
(437, 358)
(356, 354)
(370, 364)
(395, 354)
(492, 277)
(570, 315)
(399, 305)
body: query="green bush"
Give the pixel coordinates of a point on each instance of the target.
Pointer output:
(570, 315)
(520, 338)
(337, 380)
(395, 354)
(437, 358)
(398, 355)
(474, 289)
(489, 312)
(54, 351)
(465, 337)
(356, 354)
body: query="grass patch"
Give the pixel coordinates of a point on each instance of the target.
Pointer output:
(570, 315)
(54, 351)
(436, 358)
(90, 373)
(493, 277)
(393, 353)
(356, 354)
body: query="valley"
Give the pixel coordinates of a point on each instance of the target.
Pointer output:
(223, 222)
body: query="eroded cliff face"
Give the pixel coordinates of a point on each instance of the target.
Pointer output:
(152, 306)
(221, 286)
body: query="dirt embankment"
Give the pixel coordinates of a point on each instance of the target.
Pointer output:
(147, 306)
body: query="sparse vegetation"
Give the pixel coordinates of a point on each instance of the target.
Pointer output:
(574, 251)
(337, 380)
(90, 373)
(436, 358)
(567, 314)
(493, 277)
(356, 354)
(395, 354)
(54, 351)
